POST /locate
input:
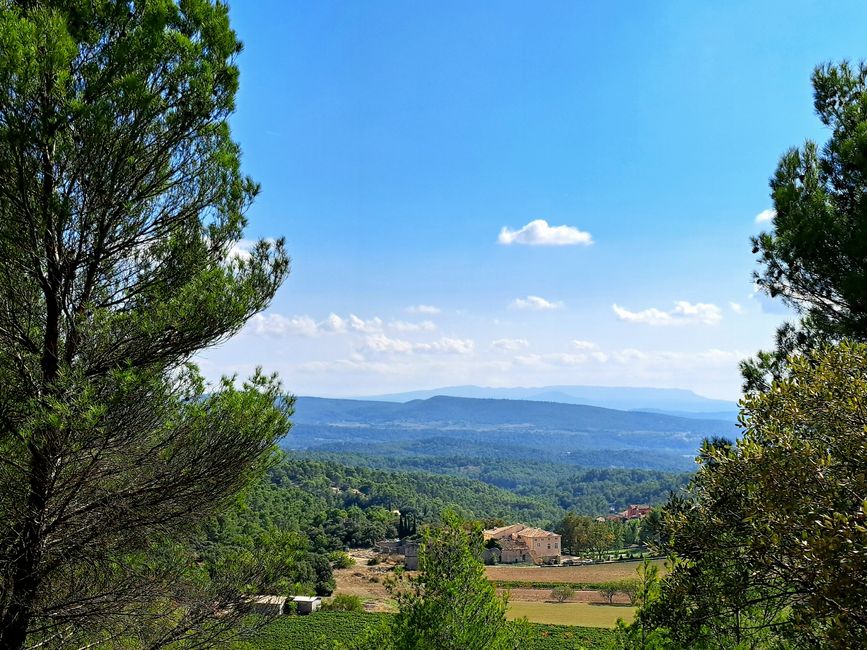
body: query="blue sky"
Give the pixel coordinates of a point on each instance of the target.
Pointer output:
(395, 140)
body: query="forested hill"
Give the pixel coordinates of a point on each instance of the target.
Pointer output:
(576, 435)
(462, 412)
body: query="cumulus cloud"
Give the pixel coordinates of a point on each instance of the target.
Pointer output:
(404, 326)
(736, 307)
(510, 345)
(766, 215)
(424, 309)
(534, 303)
(684, 313)
(280, 325)
(367, 326)
(539, 233)
(385, 344)
(584, 345)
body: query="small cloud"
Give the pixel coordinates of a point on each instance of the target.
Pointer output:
(736, 307)
(510, 345)
(241, 249)
(684, 313)
(584, 345)
(367, 326)
(534, 303)
(539, 233)
(334, 324)
(448, 346)
(279, 325)
(424, 309)
(404, 326)
(384, 344)
(766, 215)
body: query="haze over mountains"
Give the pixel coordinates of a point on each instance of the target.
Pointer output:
(476, 429)
(672, 401)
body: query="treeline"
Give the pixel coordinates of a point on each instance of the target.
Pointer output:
(583, 491)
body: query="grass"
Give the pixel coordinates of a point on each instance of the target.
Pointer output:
(321, 630)
(589, 575)
(576, 614)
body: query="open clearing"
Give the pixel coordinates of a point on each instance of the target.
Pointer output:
(544, 596)
(580, 614)
(589, 574)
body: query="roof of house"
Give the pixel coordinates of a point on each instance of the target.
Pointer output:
(495, 533)
(306, 599)
(536, 532)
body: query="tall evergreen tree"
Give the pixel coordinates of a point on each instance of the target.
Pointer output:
(813, 257)
(121, 203)
(451, 605)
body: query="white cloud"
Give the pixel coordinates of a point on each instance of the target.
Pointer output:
(539, 233)
(278, 325)
(404, 326)
(766, 215)
(385, 344)
(584, 345)
(241, 249)
(510, 345)
(684, 313)
(736, 307)
(424, 309)
(448, 346)
(367, 326)
(535, 303)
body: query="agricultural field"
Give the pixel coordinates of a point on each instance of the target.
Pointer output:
(320, 631)
(590, 615)
(592, 574)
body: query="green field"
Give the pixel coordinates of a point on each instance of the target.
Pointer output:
(580, 614)
(320, 631)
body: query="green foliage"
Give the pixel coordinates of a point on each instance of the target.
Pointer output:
(813, 259)
(581, 534)
(347, 630)
(562, 593)
(121, 198)
(340, 560)
(344, 603)
(772, 543)
(450, 605)
(581, 490)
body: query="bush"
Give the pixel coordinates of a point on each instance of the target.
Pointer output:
(340, 560)
(344, 603)
(562, 593)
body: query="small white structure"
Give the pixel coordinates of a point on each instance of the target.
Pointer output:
(307, 604)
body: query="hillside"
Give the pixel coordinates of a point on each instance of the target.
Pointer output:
(516, 429)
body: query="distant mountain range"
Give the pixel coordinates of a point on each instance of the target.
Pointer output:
(670, 401)
(574, 434)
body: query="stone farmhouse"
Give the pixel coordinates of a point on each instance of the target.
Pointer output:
(520, 543)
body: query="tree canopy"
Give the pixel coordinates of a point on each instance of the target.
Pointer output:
(813, 257)
(122, 201)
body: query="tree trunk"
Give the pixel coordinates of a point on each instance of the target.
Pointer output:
(25, 577)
